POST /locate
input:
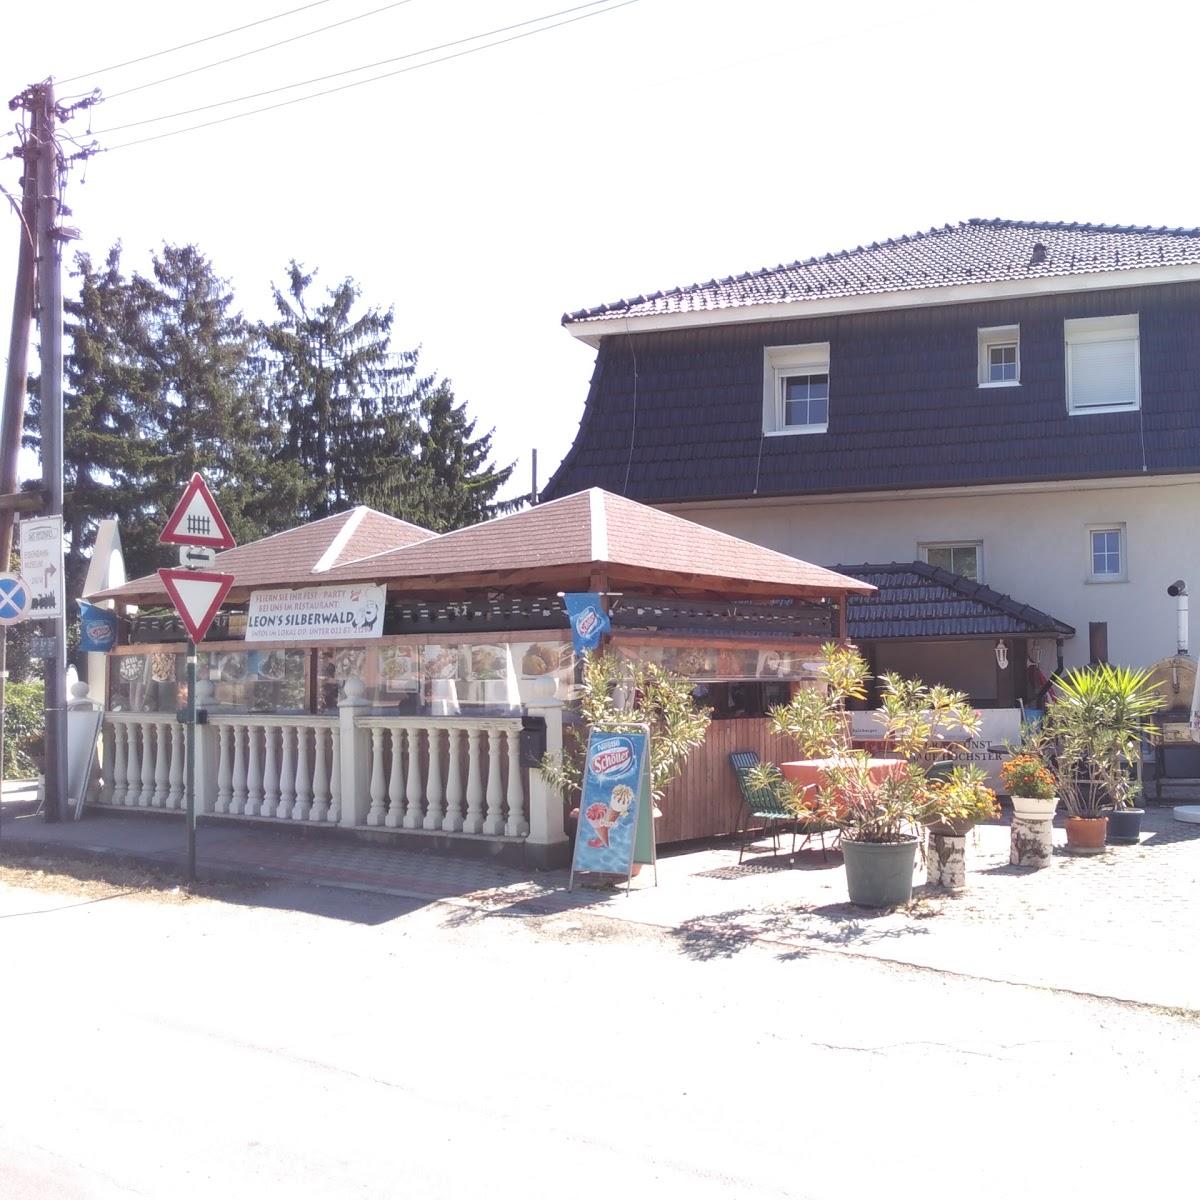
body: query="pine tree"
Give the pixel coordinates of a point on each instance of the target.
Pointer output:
(458, 483)
(107, 456)
(207, 405)
(341, 398)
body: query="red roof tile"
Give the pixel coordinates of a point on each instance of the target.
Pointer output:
(304, 555)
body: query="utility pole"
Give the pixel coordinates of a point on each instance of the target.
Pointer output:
(12, 420)
(50, 330)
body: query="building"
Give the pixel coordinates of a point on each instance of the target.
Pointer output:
(1016, 403)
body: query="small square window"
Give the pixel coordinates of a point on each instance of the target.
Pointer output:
(1106, 554)
(959, 558)
(1000, 356)
(796, 389)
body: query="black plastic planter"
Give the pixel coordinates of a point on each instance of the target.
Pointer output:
(1125, 826)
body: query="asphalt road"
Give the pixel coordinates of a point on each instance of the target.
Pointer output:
(314, 1043)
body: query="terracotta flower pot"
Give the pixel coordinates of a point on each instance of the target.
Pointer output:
(1085, 835)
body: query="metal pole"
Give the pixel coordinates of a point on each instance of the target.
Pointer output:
(533, 494)
(50, 329)
(11, 425)
(191, 762)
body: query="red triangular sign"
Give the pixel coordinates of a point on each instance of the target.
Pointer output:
(197, 520)
(196, 595)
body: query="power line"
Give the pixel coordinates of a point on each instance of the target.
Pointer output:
(186, 112)
(374, 78)
(212, 37)
(141, 87)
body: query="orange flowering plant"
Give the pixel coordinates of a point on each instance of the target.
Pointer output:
(1027, 775)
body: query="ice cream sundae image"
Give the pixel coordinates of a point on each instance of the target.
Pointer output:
(604, 816)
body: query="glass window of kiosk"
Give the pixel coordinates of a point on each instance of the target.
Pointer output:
(150, 682)
(266, 681)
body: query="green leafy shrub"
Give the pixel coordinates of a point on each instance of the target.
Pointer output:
(24, 729)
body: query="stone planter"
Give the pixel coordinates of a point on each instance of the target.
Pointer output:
(1031, 842)
(946, 857)
(880, 874)
(1125, 826)
(1085, 835)
(1035, 808)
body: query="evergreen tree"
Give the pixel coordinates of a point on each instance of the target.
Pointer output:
(345, 404)
(107, 456)
(206, 406)
(458, 483)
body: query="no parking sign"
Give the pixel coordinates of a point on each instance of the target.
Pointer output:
(14, 599)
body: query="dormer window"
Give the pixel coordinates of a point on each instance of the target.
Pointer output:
(1000, 356)
(796, 389)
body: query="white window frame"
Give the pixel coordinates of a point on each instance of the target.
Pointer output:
(994, 336)
(1121, 576)
(975, 544)
(780, 363)
(1079, 330)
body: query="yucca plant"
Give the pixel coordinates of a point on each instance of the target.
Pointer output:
(1095, 725)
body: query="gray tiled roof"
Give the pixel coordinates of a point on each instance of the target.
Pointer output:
(916, 600)
(975, 251)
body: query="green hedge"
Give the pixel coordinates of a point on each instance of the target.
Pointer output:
(24, 726)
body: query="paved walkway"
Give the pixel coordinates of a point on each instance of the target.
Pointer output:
(1122, 925)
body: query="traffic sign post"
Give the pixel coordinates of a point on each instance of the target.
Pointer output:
(15, 598)
(199, 529)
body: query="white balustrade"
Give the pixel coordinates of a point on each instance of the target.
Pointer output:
(143, 760)
(277, 767)
(454, 786)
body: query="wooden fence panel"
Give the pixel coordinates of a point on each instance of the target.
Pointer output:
(704, 801)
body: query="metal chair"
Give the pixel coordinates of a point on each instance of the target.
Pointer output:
(766, 806)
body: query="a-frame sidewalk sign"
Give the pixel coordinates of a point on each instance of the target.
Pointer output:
(616, 806)
(197, 596)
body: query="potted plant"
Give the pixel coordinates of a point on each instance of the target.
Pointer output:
(962, 799)
(1095, 726)
(619, 694)
(1030, 786)
(880, 814)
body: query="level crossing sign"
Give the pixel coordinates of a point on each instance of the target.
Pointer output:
(197, 521)
(14, 599)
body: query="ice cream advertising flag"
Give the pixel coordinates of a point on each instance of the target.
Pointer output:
(589, 621)
(97, 628)
(615, 804)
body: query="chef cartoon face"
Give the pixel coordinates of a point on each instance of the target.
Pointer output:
(367, 615)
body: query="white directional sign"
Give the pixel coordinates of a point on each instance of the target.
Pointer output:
(42, 565)
(197, 520)
(196, 558)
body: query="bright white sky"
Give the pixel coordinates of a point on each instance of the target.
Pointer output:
(664, 142)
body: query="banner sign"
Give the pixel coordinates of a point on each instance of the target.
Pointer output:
(97, 628)
(616, 811)
(42, 565)
(589, 621)
(320, 614)
(991, 748)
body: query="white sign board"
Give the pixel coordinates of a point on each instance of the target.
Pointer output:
(42, 565)
(321, 614)
(988, 750)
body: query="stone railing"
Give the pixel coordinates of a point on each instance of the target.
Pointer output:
(288, 768)
(143, 762)
(452, 776)
(447, 774)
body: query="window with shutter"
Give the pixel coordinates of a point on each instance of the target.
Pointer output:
(1103, 365)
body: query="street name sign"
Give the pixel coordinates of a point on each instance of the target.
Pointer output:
(197, 520)
(197, 595)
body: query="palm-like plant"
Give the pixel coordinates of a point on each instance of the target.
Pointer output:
(1095, 726)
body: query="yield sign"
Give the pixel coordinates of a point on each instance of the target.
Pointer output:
(196, 595)
(197, 520)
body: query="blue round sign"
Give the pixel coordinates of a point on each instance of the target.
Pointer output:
(14, 598)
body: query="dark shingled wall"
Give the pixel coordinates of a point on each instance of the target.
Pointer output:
(905, 408)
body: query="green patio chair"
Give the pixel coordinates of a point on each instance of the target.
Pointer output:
(765, 806)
